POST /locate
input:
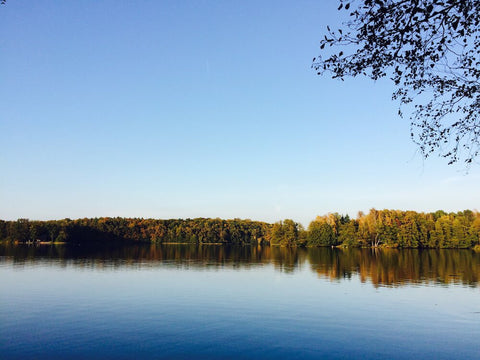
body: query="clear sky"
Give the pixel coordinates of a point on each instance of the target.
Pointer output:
(176, 109)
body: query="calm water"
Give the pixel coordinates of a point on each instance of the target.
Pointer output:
(184, 302)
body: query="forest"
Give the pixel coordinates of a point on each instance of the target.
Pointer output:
(378, 228)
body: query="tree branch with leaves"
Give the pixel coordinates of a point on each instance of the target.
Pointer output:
(430, 49)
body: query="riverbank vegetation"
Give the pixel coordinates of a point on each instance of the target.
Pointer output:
(378, 228)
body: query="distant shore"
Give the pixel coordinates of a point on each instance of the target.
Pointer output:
(377, 229)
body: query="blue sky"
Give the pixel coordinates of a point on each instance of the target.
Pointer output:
(172, 109)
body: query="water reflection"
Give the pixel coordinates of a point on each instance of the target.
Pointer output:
(381, 267)
(392, 267)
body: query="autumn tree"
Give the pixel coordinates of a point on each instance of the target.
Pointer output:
(430, 49)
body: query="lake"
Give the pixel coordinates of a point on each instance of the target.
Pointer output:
(217, 302)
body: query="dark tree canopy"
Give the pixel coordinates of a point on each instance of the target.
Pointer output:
(431, 51)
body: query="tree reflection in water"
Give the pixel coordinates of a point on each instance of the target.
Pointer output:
(382, 267)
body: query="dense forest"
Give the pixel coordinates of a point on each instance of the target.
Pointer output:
(386, 228)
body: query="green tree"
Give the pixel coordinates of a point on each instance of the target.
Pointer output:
(21, 230)
(285, 233)
(459, 233)
(320, 233)
(348, 234)
(408, 234)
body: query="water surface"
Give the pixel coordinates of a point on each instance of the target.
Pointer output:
(179, 301)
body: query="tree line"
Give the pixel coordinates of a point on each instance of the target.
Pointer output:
(386, 228)
(378, 228)
(105, 229)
